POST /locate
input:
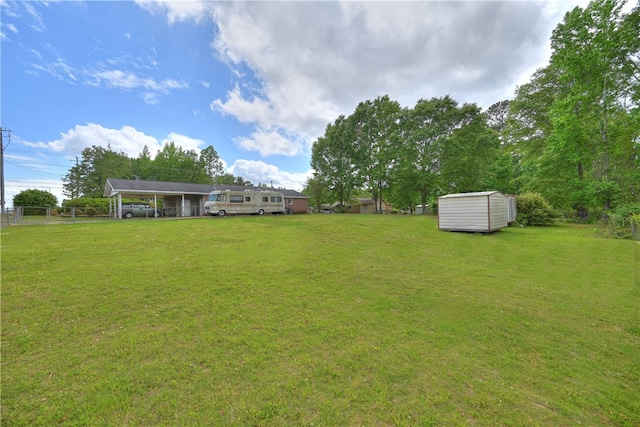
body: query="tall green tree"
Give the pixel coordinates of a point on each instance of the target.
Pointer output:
(595, 55)
(497, 115)
(528, 124)
(574, 123)
(72, 181)
(229, 179)
(174, 164)
(425, 130)
(334, 163)
(503, 171)
(376, 130)
(90, 175)
(142, 165)
(211, 163)
(317, 190)
(238, 180)
(468, 155)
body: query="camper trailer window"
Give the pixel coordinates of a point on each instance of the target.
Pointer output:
(247, 199)
(265, 199)
(235, 198)
(276, 198)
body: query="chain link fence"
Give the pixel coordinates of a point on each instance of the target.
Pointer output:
(19, 215)
(626, 229)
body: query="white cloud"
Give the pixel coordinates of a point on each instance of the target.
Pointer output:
(127, 80)
(183, 141)
(10, 27)
(260, 172)
(8, 9)
(105, 76)
(266, 139)
(58, 69)
(316, 60)
(126, 139)
(272, 142)
(150, 98)
(175, 10)
(35, 15)
(254, 111)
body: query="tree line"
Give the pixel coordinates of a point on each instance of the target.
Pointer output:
(405, 155)
(172, 164)
(571, 134)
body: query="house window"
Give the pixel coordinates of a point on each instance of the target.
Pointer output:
(290, 202)
(236, 198)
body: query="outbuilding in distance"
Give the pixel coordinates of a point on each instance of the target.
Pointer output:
(481, 212)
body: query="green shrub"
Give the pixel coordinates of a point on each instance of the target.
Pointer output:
(91, 211)
(94, 206)
(623, 222)
(533, 209)
(34, 201)
(91, 206)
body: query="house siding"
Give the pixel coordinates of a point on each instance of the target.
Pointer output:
(366, 206)
(296, 206)
(367, 209)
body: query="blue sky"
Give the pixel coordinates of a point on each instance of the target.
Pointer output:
(258, 81)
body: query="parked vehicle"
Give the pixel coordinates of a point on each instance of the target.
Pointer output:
(129, 210)
(258, 202)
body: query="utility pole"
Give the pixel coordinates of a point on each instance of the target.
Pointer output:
(2, 148)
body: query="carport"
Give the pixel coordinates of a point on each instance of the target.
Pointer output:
(180, 199)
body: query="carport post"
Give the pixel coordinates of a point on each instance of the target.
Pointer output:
(119, 209)
(182, 208)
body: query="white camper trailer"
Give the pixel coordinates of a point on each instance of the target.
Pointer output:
(481, 212)
(257, 202)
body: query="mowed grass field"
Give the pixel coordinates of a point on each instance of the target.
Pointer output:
(328, 320)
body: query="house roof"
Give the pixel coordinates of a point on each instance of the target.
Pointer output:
(141, 188)
(369, 201)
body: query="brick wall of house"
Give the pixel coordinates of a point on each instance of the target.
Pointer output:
(296, 206)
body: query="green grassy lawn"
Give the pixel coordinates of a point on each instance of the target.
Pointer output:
(332, 320)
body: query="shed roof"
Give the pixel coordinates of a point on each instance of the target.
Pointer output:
(475, 194)
(114, 186)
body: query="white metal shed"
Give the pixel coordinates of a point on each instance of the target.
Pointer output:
(481, 212)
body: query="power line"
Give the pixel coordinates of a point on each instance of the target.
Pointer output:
(40, 172)
(56, 186)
